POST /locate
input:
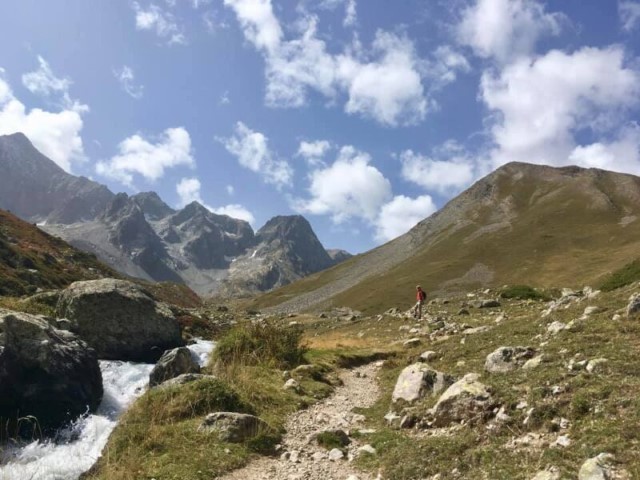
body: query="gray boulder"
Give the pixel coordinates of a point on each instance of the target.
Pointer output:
(47, 373)
(597, 468)
(119, 319)
(233, 427)
(465, 400)
(486, 304)
(633, 309)
(417, 381)
(505, 359)
(184, 379)
(173, 363)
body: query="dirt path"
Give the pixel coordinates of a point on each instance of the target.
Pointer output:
(302, 459)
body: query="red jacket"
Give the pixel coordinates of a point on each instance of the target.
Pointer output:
(421, 296)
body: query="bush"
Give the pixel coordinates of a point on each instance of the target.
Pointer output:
(261, 344)
(623, 277)
(523, 292)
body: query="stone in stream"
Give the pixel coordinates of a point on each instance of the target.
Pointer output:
(119, 319)
(47, 373)
(172, 364)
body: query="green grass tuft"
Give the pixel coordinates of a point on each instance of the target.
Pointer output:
(621, 278)
(523, 292)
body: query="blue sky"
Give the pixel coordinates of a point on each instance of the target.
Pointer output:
(363, 115)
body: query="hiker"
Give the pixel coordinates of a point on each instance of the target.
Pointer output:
(421, 296)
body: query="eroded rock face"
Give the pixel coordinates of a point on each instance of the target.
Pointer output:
(44, 372)
(505, 359)
(172, 364)
(419, 380)
(233, 427)
(119, 319)
(466, 400)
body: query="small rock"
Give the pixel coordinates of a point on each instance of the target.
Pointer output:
(318, 456)
(467, 399)
(552, 473)
(562, 441)
(556, 327)
(412, 342)
(505, 359)
(591, 310)
(593, 366)
(368, 449)
(291, 384)
(633, 309)
(171, 364)
(294, 456)
(335, 455)
(233, 427)
(533, 363)
(428, 356)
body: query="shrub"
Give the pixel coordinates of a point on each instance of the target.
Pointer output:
(261, 344)
(523, 292)
(623, 277)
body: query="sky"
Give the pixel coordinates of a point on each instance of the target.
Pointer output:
(365, 116)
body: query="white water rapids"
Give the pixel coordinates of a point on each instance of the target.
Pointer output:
(67, 460)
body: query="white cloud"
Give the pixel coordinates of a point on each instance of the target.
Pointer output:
(43, 82)
(542, 104)
(150, 159)
(188, 190)
(502, 29)
(629, 12)
(350, 14)
(384, 82)
(231, 190)
(621, 154)
(252, 150)
(224, 99)
(447, 175)
(55, 134)
(126, 78)
(314, 152)
(349, 188)
(401, 214)
(163, 23)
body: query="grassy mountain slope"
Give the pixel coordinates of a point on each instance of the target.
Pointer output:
(32, 259)
(521, 224)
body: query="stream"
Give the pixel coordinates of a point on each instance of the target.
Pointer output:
(79, 445)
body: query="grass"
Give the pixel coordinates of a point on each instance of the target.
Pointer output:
(621, 278)
(523, 292)
(603, 408)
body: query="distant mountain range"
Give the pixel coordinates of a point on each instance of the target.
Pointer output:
(142, 236)
(522, 224)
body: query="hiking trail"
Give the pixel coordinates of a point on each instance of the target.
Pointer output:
(301, 458)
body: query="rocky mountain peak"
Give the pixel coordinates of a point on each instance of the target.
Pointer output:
(152, 205)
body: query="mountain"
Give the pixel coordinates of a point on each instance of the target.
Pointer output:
(285, 249)
(141, 236)
(35, 188)
(523, 223)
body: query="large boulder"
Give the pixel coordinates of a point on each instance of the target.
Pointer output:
(466, 400)
(172, 364)
(505, 359)
(46, 373)
(419, 380)
(119, 319)
(597, 468)
(233, 427)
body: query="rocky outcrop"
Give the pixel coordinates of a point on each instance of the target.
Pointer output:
(417, 381)
(47, 373)
(233, 427)
(505, 359)
(338, 255)
(171, 364)
(152, 205)
(119, 319)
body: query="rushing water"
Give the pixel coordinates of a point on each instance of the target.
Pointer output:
(67, 460)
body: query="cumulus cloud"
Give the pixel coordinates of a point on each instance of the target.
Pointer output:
(188, 190)
(127, 79)
(314, 152)
(629, 12)
(349, 188)
(383, 83)
(154, 18)
(252, 150)
(541, 105)
(401, 214)
(449, 174)
(621, 154)
(230, 190)
(55, 134)
(148, 158)
(502, 29)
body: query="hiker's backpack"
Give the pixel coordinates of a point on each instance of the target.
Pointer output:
(423, 295)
